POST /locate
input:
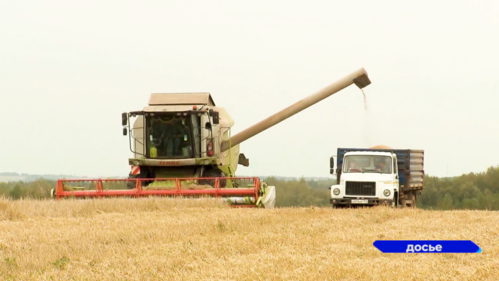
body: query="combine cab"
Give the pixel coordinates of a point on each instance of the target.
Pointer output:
(182, 146)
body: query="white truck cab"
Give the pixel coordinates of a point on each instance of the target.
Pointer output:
(366, 178)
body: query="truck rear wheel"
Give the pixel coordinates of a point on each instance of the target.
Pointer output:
(410, 200)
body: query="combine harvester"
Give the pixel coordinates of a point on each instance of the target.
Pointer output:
(182, 146)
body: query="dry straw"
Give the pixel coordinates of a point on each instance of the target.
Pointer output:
(176, 239)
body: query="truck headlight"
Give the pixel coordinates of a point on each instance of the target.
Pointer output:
(386, 192)
(336, 191)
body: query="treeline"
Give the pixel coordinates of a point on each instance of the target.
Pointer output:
(301, 192)
(289, 192)
(38, 189)
(472, 191)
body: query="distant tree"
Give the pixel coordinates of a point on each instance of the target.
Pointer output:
(446, 203)
(470, 204)
(4, 189)
(313, 184)
(16, 192)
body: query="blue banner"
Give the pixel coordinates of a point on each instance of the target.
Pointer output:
(426, 246)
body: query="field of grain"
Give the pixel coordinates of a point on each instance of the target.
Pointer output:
(175, 239)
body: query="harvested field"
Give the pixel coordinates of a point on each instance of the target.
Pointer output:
(176, 239)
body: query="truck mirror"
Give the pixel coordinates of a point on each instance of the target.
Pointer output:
(207, 126)
(124, 119)
(331, 165)
(124, 131)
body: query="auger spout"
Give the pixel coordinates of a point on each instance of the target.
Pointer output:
(358, 78)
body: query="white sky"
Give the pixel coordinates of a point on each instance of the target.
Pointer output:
(68, 69)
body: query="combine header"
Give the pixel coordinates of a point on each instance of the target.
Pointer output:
(182, 146)
(253, 193)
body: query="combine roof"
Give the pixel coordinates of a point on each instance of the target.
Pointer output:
(181, 99)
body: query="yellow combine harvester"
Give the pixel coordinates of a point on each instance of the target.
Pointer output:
(182, 146)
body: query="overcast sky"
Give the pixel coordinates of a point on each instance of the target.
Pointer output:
(68, 69)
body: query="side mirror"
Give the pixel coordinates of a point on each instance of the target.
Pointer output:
(125, 131)
(124, 119)
(331, 165)
(216, 117)
(207, 126)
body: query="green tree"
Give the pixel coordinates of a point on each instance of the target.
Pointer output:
(446, 203)
(16, 192)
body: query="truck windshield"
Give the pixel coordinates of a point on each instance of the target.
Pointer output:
(169, 136)
(367, 164)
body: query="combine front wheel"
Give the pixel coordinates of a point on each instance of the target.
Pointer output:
(131, 184)
(212, 173)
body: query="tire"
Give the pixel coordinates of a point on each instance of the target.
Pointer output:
(131, 184)
(212, 173)
(410, 200)
(395, 200)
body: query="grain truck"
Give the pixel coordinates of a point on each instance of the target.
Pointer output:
(377, 175)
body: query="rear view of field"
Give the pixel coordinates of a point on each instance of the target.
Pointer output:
(168, 239)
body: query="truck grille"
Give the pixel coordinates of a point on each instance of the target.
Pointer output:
(361, 188)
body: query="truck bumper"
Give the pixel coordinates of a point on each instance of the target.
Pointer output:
(368, 202)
